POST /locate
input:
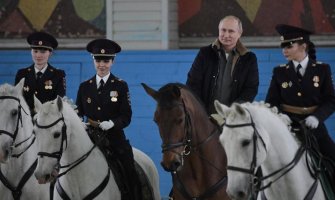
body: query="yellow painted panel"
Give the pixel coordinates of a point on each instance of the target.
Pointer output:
(250, 7)
(37, 12)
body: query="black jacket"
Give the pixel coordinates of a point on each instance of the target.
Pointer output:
(315, 89)
(112, 104)
(52, 83)
(204, 71)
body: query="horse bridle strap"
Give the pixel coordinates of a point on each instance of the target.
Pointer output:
(59, 153)
(17, 191)
(208, 193)
(91, 195)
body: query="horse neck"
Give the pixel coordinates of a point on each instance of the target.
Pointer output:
(78, 141)
(281, 150)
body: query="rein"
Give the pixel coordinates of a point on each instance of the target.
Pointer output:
(188, 148)
(258, 180)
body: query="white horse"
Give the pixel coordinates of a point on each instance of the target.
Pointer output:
(255, 135)
(18, 151)
(63, 141)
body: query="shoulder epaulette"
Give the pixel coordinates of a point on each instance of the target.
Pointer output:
(319, 62)
(282, 65)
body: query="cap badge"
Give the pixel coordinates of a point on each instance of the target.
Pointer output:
(40, 42)
(114, 95)
(102, 51)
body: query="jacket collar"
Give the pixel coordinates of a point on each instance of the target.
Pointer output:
(240, 48)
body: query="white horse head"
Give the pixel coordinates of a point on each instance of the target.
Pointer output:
(18, 152)
(65, 150)
(253, 136)
(15, 115)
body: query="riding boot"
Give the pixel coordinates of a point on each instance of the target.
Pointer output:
(125, 154)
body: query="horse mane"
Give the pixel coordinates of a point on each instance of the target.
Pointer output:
(7, 89)
(274, 110)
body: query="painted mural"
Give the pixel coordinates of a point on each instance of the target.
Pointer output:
(200, 18)
(61, 18)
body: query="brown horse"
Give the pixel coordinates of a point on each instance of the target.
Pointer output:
(191, 148)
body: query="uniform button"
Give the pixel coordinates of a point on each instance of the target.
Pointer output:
(99, 108)
(299, 94)
(35, 92)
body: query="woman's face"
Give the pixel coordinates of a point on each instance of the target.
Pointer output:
(295, 52)
(103, 66)
(40, 56)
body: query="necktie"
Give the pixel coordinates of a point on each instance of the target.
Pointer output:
(39, 76)
(102, 83)
(298, 72)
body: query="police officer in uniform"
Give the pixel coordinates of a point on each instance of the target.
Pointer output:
(41, 79)
(303, 88)
(104, 100)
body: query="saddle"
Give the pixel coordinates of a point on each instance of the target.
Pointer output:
(143, 189)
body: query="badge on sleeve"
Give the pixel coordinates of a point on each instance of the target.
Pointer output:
(284, 85)
(316, 80)
(89, 100)
(114, 95)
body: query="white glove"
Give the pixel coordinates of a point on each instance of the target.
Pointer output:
(106, 125)
(312, 122)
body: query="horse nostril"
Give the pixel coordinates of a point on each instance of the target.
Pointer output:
(241, 194)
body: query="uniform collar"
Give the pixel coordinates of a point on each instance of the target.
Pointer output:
(43, 70)
(105, 78)
(303, 63)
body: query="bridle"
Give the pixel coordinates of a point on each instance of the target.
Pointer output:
(15, 133)
(188, 148)
(58, 155)
(187, 141)
(257, 180)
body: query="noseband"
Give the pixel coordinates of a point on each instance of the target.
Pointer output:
(18, 121)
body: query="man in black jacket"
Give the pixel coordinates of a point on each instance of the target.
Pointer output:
(225, 70)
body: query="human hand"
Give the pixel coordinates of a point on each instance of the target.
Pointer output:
(312, 122)
(106, 125)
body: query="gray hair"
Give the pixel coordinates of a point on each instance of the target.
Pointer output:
(239, 23)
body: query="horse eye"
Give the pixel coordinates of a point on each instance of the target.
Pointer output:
(245, 143)
(179, 121)
(14, 112)
(56, 135)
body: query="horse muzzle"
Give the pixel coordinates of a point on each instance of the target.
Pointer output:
(46, 178)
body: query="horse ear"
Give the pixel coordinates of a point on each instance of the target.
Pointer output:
(239, 109)
(37, 104)
(222, 109)
(153, 93)
(176, 91)
(20, 85)
(59, 103)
